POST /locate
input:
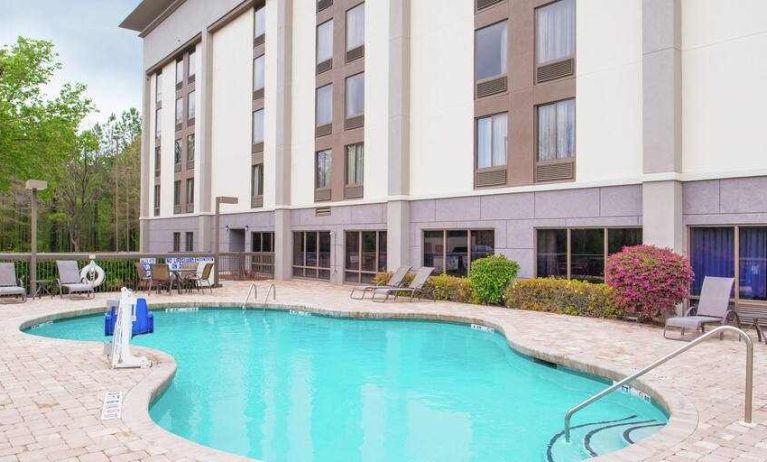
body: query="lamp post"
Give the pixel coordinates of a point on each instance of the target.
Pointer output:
(34, 186)
(216, 257)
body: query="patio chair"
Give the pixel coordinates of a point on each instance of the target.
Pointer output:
(415, 288)
(10, 285)
(712, 308)
(160, 277)
(396, 280)
(188, 276)
(70, 279)
(143, 281)
(203, 280)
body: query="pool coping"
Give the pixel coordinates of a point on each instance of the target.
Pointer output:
(683, 415)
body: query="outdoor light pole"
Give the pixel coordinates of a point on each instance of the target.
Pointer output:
(34, 186)
(216, 257)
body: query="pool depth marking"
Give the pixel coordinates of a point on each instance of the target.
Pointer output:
(113, 405)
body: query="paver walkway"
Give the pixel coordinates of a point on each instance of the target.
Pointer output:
(51, 391)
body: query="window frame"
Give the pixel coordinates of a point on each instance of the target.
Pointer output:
(317, 59)
(191, 107)
(536, 29)
(179, 73)
(158, 88)
(259, 17)
(360, 76)
(305, 268)
(189, 194)
(191, 68)
(256, 189)
(492, 117)
(261, 58)
(360, 166)
(324, 88)
(190, 154)
(179, 112)
(328, 175)
(255, 138)
(176, 242)
(359, 272)
(444, 232)
(157, 198)
(158, 123)
(504, 61)
(347, 47)
(189, 241)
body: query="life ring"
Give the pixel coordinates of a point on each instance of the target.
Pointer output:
(93, 274)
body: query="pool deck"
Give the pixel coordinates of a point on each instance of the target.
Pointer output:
(51, 391)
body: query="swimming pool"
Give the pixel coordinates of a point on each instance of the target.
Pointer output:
(282, 386)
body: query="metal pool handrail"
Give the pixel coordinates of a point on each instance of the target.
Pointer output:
(272, 290)
(251, 290)
(749, 375)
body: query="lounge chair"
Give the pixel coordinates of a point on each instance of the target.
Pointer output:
(712, 308)
(415, 288)
(69, 279)
(10, 285)
(396, 280)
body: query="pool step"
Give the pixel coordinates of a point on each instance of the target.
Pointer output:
(597, 438)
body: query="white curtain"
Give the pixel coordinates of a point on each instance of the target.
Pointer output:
(258, 73)
(500, 128)
(355, 164)
(256, 178)
(179, 110)
(555, 31)
(355, 95)
(484, 142)
(491, 140)
(190, 110)
(323, 169)
(556, 130)
(258, 126)
(355, 27)
(259, 23)
(324, 41)
(158, 123)
(324, 105)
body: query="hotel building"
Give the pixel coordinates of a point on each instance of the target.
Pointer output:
(360, 135)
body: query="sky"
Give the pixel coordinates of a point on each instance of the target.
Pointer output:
(91, 47)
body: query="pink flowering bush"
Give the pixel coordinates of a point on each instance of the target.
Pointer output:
(648, 281)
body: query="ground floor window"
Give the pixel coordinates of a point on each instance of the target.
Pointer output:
(177, 242)
(580, 253)
(262, 245)
(189, 242)
(311, 254)
(365, 255)
(452, 251)
(738, 252)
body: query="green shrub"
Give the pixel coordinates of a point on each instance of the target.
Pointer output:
(564, 296)
(490, 275)
(440, 287)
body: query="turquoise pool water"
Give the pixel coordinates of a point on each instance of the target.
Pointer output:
(284, 387)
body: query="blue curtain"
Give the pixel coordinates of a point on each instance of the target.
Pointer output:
(753, 263)
(712, 254)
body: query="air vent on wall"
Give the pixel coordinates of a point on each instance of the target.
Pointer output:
(482, 4)
(259, 40)
(258, 147)
(353, 192)
(355, 53)
(555, 70)
(256, 202)
(322, 211)
(325, 66)
(491, 87)
(322, 195)
(257, 157)
(555, 172)
(258, 94)
(354, 122)
(324, 4)
(323, 130)
(490, 178)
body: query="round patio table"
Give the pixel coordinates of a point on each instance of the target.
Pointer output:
(44, 287)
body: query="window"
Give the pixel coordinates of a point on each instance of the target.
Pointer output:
(490, 51)
(190, 109)
(192, 65)
(324, 114)
(156, 200)
(556, 131)
(177, 153)
(325, 41)
(262, 265)
(259, 70)
(190, 148)
(580, 253)
(452, 251)
(190, 194)
(158, 122)
(364, 256)
(158, 88)
(492, 140)
(262, 242)
(258, 126)
(311, 254)
(355, 95)
(179, 73)
(259, 23)
(257, 180)
(355, 158)
(189, 244)
(322, 166)
(157, 160)
(177, 242)
(752, 263)
(355, 27)
(179, 111)
(555, 32)
(177, 193)
(712, 253)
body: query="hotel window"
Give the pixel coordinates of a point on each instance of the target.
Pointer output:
(311, 254)
(492, 136)
(490, 51)
(190, 110)
(192, 65)
(177, 242)
(190, 194)
(156, 200)
(158, 88)
(452, 251)
(190, 151)
(324, 115)
(177, 155)
(555, 40)
(176, 196)
(580, 253)
(322, 167)
(355, 168)
(556, 141)
(179, 73)
(158, 122)
(324, 46)
(355, 32)
(257, 180)
(189, 244)
(157, 160)
(179, 111)
(365, 255)
(355, 95)
(262, 242)
(259, 25)
(259, 70)
(258, 126)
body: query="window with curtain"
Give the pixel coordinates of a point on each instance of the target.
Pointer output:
(492, 140)
(322, 166)
(192, 63)
(190, 113)
(189, 247)
(712, 253)
(177, 152)
(259, 70)
(158, 123)
(190, 147)
(156, 199)
(258, 126)
(179, 72)
(355, 27)
(490, 51)
(752, 261)
(179, 110)
(556, 131)
(257, 180)
(259, 22)
(177, 193)
(190, 191)
(158, 87)
(555, 32)
(157, 160)
(325, 41)
(324, 113)
(355, 95)
(355, 158)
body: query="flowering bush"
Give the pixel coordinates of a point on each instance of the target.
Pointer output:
(573, 297)
(648, 281)
(490, 275)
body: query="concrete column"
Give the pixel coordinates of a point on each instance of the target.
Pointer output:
(146, 186)
(398, 208)
(283, 244)
(205, 121)
(662, 122)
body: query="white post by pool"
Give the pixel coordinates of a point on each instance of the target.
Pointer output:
(216, 257)
(34, 186)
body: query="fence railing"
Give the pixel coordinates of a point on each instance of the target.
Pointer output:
(120, 268)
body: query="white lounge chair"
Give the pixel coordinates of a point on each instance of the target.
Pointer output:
(712, 308)
(70, 279)
(10, 285)
(396, 280)
(414, 289)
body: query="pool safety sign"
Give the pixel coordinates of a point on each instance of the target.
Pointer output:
(629, 390)
(113, 405)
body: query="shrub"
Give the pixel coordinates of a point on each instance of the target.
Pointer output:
(490, 275)
(440, 287)
(563, 296)
(648, 280)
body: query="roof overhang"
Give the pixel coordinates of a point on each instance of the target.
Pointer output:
(145, 14)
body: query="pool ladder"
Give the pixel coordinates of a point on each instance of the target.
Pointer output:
(253, 290)
(719, 330)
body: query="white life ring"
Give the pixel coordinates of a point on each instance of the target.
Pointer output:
(93, 274)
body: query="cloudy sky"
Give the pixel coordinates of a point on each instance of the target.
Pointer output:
(91, 47)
